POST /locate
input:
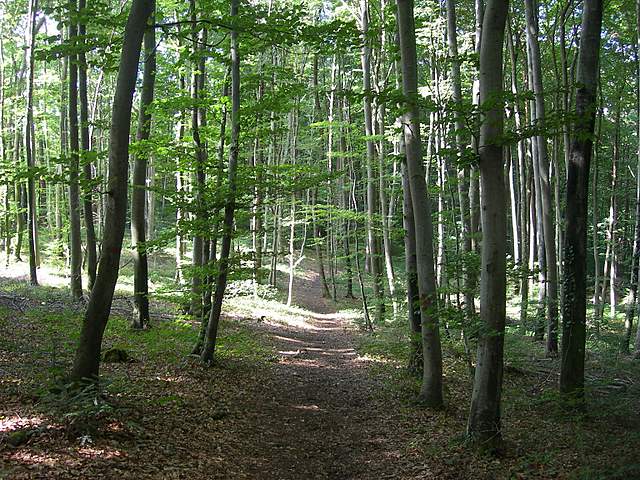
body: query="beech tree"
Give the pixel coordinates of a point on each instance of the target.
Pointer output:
(431, 391)
(87, 359)
(484, 425)
(574, 304)
(138, 195)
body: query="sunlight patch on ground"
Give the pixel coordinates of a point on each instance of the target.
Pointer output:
(32, 458)
(311, 408)
(275, 313)
(101, 453)
(370, 359)
(47, 274)
(16, 422)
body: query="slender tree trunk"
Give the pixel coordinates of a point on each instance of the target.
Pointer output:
(613, 217)
(431, 391)
(463, 172)
(86, 363)
(229, 210)
(484, 426)
(373, 240)
(85, 144)
(3, 154)
(30, 147)
(197, 121)
(74, 145)
(138, 197)
(546, 200)
(635, 265)
(574, 303)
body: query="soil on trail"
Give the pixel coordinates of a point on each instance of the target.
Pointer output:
(316, 410)
(322, 416)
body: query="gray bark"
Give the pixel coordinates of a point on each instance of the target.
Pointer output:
(138, 195)
(431, 390)
(484, 425)
(574, 302)
(86, 363)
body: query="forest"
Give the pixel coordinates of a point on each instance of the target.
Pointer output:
(324, 239)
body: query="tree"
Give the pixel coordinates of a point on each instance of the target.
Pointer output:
(138, 195)
(86, 363)
(541, 177)
(85, 143)
(431, 391)
(574, 302)
(230, 204)
(74, 168)
(29, 142)
(484, 418)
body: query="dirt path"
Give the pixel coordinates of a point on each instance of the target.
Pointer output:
(323, 417)
(316, 411)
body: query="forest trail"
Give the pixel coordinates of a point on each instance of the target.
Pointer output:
(321, 416)
(307, 407)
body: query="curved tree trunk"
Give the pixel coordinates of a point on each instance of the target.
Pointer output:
(86, 363)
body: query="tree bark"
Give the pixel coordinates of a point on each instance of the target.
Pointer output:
(32, 222)
(372, 207)
(85, 144)
(86, 363)
(75, 238)
(574, 303)
(484, 426)
(431, 390)
(546, 200)
(230, 204)
(138, 195)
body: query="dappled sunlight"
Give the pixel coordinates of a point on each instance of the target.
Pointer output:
(308, 408)
(48, 275)
(288, 339)
(273, 312)
(371, 359)
(101, 453)
(16, 422)
(36, 458)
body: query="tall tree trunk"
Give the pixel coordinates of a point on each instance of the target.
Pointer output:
(635, 265)
(431, 391)
(197, 121)
(463, 172)
(138, 197)
(85, 144)
(74, 146)
(373, 240)
(230, 204)
(484, 418)
(574, 302)
(86, 363)
(32, 220)
(546, 200)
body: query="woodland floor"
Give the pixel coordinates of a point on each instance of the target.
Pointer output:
(286, 400)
